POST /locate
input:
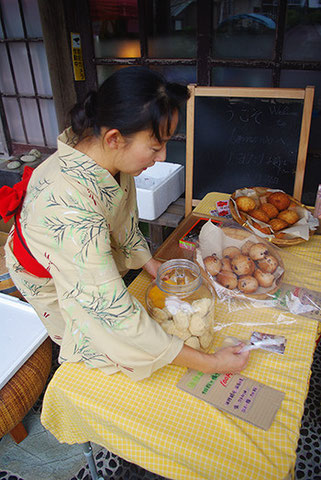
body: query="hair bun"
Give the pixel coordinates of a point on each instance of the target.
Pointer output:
(90, 105)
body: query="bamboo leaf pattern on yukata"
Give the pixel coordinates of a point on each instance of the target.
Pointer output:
(109, 310)
(85, 172)
(134, 240)
(88, 224)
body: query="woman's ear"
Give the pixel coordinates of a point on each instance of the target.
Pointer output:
(113, 139)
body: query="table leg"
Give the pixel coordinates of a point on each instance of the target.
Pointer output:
(156, 236)
(88, 452)
(18, 433)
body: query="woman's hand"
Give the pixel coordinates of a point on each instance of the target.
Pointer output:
(227, 360)
(152, 266)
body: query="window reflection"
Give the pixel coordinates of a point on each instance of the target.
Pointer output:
(172, 28)
(303, 31)
(115, 28)
(241, 77)
(243, 31)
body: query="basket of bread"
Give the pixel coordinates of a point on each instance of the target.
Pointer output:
(238, 263)
(272, 214)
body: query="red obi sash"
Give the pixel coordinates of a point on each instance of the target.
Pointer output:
(11, 199)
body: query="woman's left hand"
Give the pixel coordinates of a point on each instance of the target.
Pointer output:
(152, 266)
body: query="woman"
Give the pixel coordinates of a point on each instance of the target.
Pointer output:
(77, 232)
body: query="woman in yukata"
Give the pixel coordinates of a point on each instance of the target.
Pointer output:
(76, 231)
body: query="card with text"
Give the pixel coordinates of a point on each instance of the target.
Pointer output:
(238, 395)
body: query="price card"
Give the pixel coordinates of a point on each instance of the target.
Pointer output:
(237, 395)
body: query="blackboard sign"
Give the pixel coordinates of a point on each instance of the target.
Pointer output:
(244, 142)
(246, 137)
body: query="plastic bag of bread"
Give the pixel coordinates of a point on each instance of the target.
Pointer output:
(249, 272)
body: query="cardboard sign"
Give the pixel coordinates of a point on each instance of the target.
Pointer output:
(238, 395)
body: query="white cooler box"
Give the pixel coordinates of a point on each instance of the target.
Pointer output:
(158, 187)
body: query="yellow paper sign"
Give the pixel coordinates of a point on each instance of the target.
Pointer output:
(78, 64)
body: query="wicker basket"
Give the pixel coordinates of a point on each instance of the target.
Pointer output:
(281, 242)
(23, 389)
(241, 234)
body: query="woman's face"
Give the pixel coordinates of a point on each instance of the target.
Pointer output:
(143, 150)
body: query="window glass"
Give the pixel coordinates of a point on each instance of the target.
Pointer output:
(243, 31)
(40, 67)
(302, 39)
(32, 18)
(11, 18)
(6, 83)
(21, 68)
(241, 77)
(49, 119)
(171, 28)
(14, 120)
(104, 71)
(115, 28)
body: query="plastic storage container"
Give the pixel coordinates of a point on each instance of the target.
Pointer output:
(158, 187)
(182, 302)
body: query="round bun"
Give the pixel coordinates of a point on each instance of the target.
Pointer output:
(246, 247)
(258, 251)
(231, 252)
(242, 265)
(278, 224)
(226, 264)
(247, 284)
(269, 264)
(227, 279)
(270, 210)
(289, 216)
(212, 264)
(245, 203)
(280, 200)
(265, 279)
(259, 214)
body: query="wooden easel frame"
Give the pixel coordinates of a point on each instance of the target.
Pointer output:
(306, 94)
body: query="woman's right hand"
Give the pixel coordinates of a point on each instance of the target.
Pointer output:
(227, 360)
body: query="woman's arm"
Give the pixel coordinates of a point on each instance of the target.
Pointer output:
(227, 360)
(152, 266)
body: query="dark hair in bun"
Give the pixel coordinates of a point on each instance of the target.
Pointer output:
(130, 100)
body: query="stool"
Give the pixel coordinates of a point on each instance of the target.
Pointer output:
(20, 393)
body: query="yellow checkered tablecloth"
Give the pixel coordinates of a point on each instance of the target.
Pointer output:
(167, 431)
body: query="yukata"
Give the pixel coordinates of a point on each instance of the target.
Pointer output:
(82, 226)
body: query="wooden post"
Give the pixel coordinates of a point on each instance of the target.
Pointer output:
(189, 150)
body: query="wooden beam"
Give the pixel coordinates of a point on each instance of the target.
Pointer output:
(57, 44)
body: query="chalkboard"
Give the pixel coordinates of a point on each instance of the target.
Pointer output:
(254, 137)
